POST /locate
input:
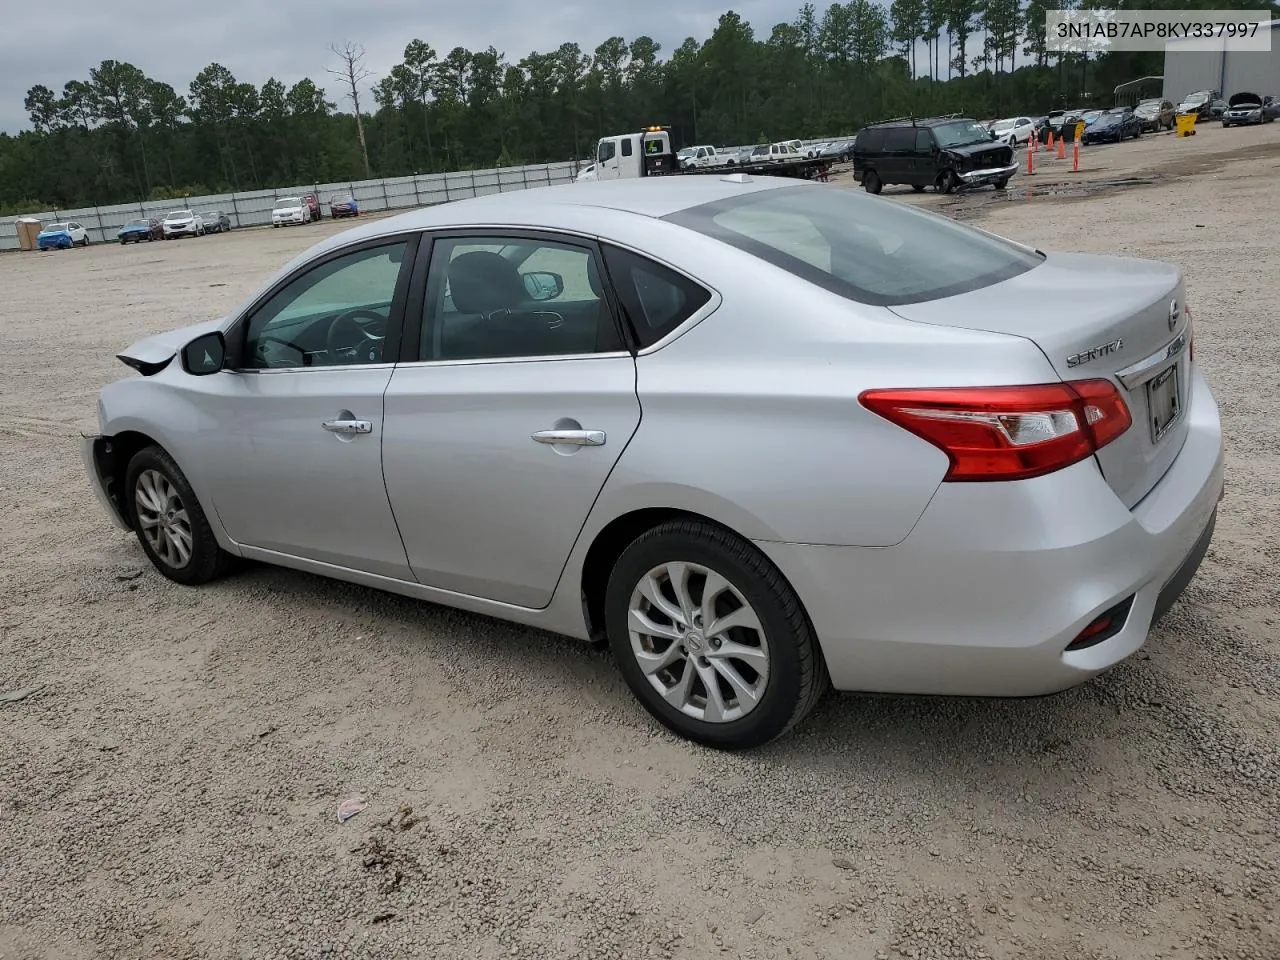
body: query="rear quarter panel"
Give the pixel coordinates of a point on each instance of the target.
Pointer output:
(751, 416)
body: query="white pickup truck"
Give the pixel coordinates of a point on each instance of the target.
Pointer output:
(703, 156)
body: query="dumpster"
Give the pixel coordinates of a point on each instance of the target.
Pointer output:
(1187, 124)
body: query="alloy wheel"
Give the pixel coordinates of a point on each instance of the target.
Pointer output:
(163, 518)
(698, 642)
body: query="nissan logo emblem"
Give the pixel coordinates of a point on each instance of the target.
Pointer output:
(1173, 314)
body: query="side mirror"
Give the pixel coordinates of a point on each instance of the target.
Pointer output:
(543, 285)
(205, 354)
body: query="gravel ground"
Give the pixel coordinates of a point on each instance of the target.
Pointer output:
(171, 790)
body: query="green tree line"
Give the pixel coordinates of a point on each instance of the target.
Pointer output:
(120, 135)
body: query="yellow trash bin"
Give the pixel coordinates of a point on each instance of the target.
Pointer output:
(1187, 124)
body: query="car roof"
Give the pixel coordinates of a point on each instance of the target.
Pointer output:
(922, 122)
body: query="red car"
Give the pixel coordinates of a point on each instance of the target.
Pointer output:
(343, 205)
(312, 202)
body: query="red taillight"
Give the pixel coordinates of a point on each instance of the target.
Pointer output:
(1008, 433)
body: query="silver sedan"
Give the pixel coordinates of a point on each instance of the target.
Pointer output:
(764, 437)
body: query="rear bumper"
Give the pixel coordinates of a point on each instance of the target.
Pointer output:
(974, 178)
(996, 580)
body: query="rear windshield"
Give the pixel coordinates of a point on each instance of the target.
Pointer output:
(864, 248)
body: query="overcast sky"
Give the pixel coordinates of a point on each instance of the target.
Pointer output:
(172, 40)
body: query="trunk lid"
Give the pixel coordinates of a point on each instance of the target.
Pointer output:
(1092, 316)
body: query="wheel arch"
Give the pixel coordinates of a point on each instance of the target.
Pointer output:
(614, 537)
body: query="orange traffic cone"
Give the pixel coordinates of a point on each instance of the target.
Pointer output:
(1062, 148)
(1049, 145)
(1031, 160)
(1075, 157)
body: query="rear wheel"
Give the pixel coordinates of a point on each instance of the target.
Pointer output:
(871, 182)
(710, 638)
(169, 521)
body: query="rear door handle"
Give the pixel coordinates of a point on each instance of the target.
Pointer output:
(348, 426)
(581, 438)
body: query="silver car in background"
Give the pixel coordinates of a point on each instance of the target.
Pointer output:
(764, 437)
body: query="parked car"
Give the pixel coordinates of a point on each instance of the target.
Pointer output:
(140, 229)
(1113, 126)
(945, 152)
(1200, 103)
(1246, 108)
(1217, 108)
(1156, 114)
(62, 236)
(216, 222)
(837, 151)
(931, 444)
(312, 203)
(343, 205)
(1014, 130)
(289, 210)
(183, 223)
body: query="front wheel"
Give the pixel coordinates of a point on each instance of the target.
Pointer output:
(710, 637)
(948, 182)
(169, 521)
(1002, 184)
(871, 182)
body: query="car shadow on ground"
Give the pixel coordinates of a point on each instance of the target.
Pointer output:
(982, 742)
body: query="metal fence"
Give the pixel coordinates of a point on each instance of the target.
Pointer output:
(254, 208)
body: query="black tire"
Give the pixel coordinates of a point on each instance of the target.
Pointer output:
(948, 181)
(918, 187)
(798, 675)
(208, 560)
(1001, 184)
(871, 182)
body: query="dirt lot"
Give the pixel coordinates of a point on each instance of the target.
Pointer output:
(171, 791)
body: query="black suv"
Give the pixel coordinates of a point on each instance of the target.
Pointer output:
(943, 152)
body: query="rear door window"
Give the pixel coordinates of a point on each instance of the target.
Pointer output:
(654, 298)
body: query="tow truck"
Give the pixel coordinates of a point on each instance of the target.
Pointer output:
(648, 153)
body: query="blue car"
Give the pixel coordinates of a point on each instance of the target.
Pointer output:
(62, 236)
(144, 228)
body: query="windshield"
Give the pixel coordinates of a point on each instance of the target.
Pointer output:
(961, 132)
(1197, 98)
(179, 215)
(137, 223)
(287, 202)
(55, 228)
(686, 152)
(1000, 126)
(859, 247)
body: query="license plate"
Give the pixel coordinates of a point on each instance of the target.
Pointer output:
(1162, 402)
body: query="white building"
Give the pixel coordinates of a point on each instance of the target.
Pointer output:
(1227, 71)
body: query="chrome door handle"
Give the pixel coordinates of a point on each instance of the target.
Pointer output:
(581, 438)
(348, 426)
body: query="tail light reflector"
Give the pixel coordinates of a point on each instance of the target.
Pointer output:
(1008, 433)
